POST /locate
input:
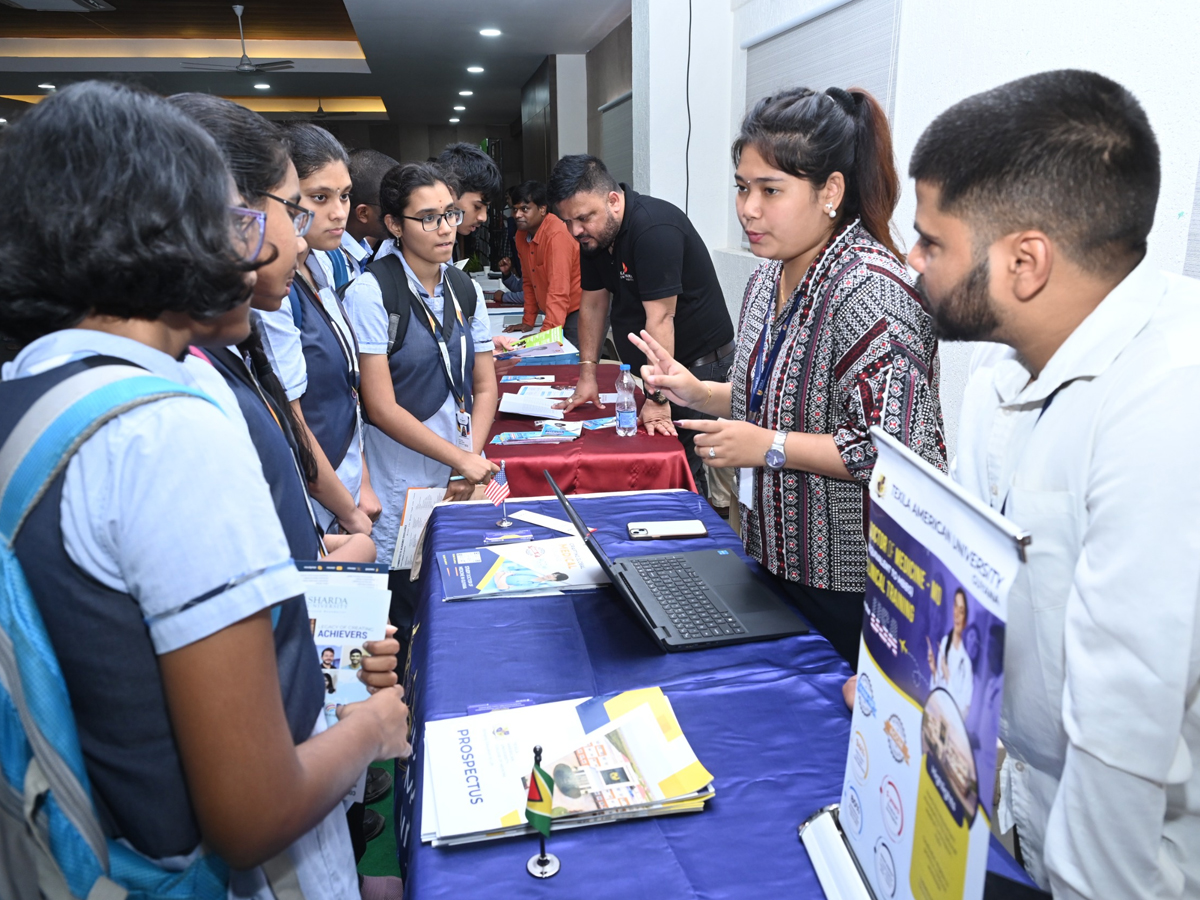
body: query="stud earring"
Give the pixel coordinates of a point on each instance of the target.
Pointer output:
(832, 211)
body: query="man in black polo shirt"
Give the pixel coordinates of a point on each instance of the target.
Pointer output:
(650, 257)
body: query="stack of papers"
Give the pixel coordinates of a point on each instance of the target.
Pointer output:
(551, 433)
(622, 756)
(530, 569)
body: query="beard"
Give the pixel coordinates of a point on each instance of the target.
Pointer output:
(606, 237)
(966, 312)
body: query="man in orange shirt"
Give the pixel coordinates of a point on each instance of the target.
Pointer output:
(549, 263)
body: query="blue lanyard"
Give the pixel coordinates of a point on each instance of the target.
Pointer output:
(764, 365)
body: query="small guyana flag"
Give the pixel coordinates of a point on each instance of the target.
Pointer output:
(538, 803)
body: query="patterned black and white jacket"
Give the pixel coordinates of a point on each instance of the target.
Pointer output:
(860, 350)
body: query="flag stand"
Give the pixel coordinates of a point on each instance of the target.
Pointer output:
(506, 522)
(541, 864)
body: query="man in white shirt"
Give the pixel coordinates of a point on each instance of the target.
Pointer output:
(1034, 201)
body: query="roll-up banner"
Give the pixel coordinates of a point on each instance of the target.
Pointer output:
(921, 767)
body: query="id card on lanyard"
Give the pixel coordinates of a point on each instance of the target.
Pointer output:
(462, 418)
(761, 366)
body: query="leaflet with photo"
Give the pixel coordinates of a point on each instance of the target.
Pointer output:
(529, 569)
(344, 614)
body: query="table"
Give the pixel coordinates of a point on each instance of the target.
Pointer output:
(767, 719)
(595, 461)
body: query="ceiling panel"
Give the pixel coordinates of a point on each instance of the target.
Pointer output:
(264, 19)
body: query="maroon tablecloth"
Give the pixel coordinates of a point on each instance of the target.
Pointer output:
(595, 462)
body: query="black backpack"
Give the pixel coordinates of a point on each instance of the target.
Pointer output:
(399, 300)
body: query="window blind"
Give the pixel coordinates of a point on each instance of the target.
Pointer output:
(853, 45)
(616, 138)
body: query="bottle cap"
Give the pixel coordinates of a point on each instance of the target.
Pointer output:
(624, 367)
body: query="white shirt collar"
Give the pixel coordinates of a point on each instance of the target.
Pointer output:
(1092, 346)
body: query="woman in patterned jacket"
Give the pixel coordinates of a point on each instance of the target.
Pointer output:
(832, 340)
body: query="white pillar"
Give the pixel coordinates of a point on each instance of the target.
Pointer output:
(571, 80)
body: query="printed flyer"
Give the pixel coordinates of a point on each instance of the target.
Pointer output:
(920, 773)
(347, 606)
(536, 567)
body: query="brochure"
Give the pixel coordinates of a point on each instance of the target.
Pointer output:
(540, 343)
(541, 390)
(345, 609)
(537, 407)
(418, 507)
(537, 567)
(595, 424)
(550, 433)
(527, 379)
(614, 757)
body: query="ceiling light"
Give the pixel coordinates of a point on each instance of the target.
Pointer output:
(474, 70)
(262, 87)
(466, 93)
(460, 109)
(3, 121)
(454, 121)
(46, 87)
(490, 32)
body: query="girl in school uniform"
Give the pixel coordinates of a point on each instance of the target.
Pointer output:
(266, 179)
(203, 727)
(312, 347)
(431, 401)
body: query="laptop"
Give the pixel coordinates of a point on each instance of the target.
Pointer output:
(693, 600)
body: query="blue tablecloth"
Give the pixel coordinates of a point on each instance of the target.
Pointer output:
(767, 719)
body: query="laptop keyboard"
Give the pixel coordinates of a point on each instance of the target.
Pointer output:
(680, 592)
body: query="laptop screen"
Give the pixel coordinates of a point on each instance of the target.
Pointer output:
(591, 542)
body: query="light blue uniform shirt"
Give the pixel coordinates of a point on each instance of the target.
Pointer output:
(167, 503)
(394, 467)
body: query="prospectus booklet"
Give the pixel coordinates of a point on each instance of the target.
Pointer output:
(531, 568)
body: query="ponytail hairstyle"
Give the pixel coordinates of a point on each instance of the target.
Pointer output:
(269, 381)
(811, 135)
(313, 148)
(399, 183)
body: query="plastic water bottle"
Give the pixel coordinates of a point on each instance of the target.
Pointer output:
(626, 405)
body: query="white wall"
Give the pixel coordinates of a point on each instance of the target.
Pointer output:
(947, 51)
(571, 86)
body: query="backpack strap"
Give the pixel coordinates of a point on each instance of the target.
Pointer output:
(398, 299)
(297, 307)
(57, 796)
(50, 432)
(464, 289)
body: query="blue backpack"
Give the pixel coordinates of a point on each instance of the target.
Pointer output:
(52, 844)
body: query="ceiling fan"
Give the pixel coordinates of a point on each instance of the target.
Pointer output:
(245, 66)
(321, 114)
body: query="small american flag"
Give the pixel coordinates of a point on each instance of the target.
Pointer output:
(497, 490)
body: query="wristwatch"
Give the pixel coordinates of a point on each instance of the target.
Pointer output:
(658, 397)
(775, 458)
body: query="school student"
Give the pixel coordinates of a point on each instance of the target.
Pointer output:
(266, 179)
(430, 394)
(365, 230)
(312, 347)
(203, 727)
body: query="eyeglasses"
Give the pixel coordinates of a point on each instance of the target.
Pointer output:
(302, 218)
(433, 221)
(250, 227)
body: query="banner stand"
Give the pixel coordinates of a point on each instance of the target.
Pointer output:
(837, 867)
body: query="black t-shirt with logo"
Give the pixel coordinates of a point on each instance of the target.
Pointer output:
(657, 254)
